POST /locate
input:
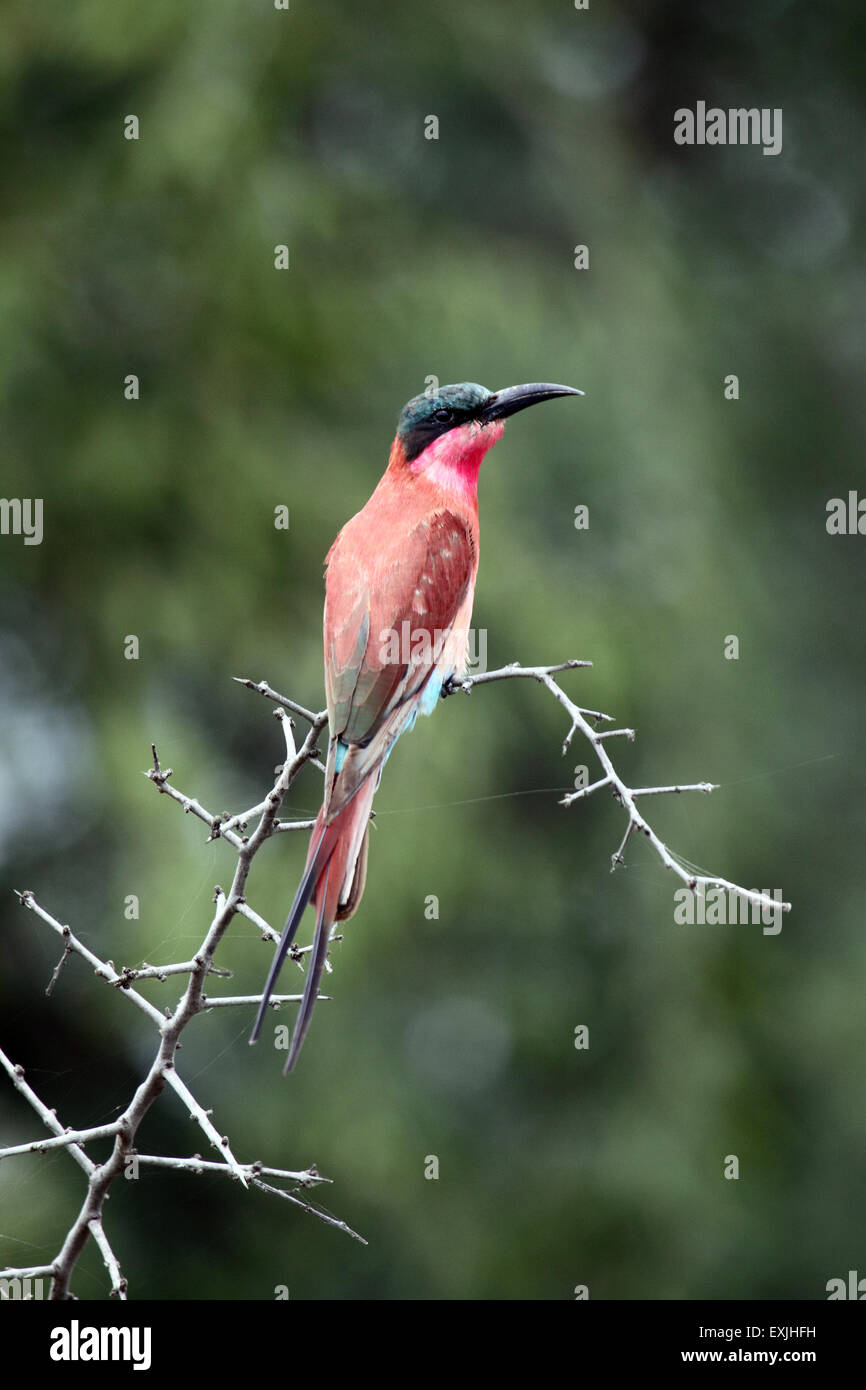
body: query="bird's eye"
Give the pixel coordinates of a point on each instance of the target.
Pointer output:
(443, 415)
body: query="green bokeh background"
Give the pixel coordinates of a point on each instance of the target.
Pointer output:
(411, 257)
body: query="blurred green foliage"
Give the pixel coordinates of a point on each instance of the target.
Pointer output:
(454, 257)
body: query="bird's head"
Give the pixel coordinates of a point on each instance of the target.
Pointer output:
(445, 433)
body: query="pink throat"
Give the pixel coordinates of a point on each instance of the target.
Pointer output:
(453, 460)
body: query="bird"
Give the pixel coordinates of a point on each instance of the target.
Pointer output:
(399, 586)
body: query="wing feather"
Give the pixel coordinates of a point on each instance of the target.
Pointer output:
(386, 623)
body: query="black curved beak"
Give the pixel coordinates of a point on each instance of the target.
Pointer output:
(513, 398)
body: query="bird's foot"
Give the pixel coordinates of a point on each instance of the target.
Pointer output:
(452, 686)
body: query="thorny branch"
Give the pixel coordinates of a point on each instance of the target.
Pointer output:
(626, 796)
(169, 1025)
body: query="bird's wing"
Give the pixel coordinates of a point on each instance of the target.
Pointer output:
(386, 622)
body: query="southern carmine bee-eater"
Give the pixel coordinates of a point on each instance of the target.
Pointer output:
(398, 603)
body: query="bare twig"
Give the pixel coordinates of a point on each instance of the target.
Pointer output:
(262, 688)
(307, 1177)
(26, 1271)
(162, 972)
(118, 1282)
(61, 1141)
(226, 1001)
(48, 1117)
(626, 796)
